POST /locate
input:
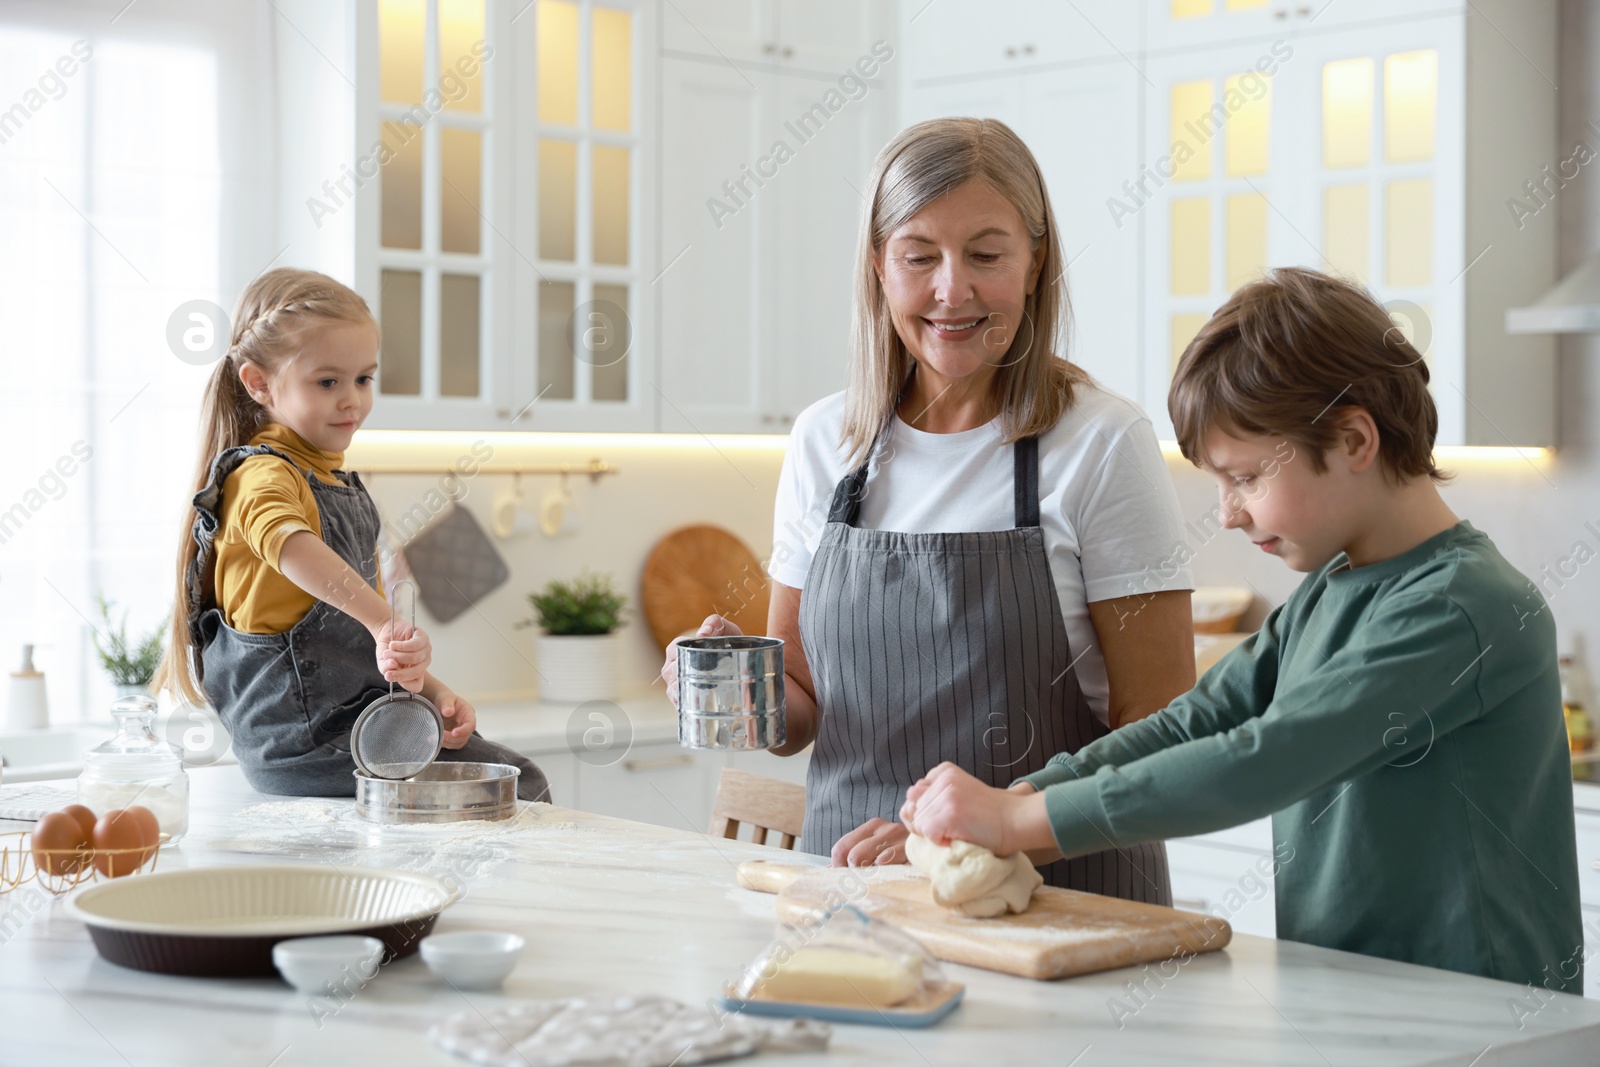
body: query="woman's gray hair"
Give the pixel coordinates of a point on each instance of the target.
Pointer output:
(1033, 385)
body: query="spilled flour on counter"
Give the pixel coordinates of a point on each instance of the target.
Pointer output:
(305, 810)
(327, 829)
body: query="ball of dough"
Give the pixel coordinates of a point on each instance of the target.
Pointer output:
(972, 880)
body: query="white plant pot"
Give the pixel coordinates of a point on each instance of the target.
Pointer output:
(575, 669)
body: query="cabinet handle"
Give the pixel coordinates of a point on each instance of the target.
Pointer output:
(1303, 11)
(788, 50)
(660, 763)
(1011, 53)
(769, 48)
(786, 420)
(1027, 49)
(1281, 14)
(1189, 903)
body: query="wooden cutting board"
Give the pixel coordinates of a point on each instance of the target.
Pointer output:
(1063, 932)
(698, 571)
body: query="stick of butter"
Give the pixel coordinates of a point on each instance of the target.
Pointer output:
(840, 976)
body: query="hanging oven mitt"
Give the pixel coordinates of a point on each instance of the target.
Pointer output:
(454, 563)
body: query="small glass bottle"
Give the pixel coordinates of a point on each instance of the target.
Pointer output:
(137, 767)
(1580, 729)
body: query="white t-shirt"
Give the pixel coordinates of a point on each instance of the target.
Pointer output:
(1109, 513)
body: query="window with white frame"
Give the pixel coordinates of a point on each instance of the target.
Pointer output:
(125, 163)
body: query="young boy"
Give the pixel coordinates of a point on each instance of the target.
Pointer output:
(1399, 717)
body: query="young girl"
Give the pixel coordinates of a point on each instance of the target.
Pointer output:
(282, 623)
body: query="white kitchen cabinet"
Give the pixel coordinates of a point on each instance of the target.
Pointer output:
(1185, 24)
(1081, 123)
(1588, 831)
(818, 209)
(1267, 142)
(762, 172)
(1588, 835)
(1204, 195)
(1002, 98)
(561, 770)
(716, 315)
(1228, 874)
(945, 40)
(1591, 957)
(658, 783)
(819, 36)
(1369, 154)
(732, 31)
(503, 236)
(827, 37)
(599, 290)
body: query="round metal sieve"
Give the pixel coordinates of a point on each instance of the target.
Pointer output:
(399, 734)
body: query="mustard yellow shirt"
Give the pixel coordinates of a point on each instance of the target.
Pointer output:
(264, 501)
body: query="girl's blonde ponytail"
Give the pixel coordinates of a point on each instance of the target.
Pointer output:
(271, 314)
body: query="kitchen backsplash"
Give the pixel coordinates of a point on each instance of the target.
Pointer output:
(1547, 531)
(613, 524)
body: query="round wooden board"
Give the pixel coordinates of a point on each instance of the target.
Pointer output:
(698, 571)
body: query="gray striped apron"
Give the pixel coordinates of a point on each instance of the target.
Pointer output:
(926, 647)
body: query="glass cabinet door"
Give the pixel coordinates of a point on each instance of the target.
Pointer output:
(500, 243)
(578, 290)
(1383, 161)
(1215, 193)
(430, 143)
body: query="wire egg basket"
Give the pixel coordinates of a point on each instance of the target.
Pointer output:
(60, 870)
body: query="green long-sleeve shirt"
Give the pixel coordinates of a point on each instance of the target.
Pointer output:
(1402, 724)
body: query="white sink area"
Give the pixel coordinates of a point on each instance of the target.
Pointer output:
(39, 755)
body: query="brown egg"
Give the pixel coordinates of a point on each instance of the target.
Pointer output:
(57, 844)
(84, 817)
(147, 818)
(121, 844)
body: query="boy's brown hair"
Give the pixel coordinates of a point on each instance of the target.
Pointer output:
(1287, 354)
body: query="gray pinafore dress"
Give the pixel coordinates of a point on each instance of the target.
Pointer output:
(926, 647)
(290, 699)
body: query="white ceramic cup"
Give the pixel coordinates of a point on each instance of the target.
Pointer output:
(314, 964)
(473, 959)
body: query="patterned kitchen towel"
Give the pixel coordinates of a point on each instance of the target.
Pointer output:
(625, 1031)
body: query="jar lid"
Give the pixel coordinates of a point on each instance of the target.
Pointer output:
(135, 748)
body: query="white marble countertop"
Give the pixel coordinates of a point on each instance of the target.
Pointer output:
(612, 906)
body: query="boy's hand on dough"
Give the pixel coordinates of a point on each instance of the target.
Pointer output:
(460, 719)
(950, 805)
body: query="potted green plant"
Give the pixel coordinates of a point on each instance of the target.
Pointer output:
(576, 648)
(130, 662)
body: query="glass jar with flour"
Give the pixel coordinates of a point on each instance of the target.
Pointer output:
(137, 767)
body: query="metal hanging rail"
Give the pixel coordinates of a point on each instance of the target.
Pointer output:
(595, 468)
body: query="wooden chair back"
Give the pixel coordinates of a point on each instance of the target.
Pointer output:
(767, 805)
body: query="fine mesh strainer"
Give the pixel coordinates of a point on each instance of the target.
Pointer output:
(399, 734)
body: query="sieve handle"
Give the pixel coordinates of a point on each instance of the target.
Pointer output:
(394, 596)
